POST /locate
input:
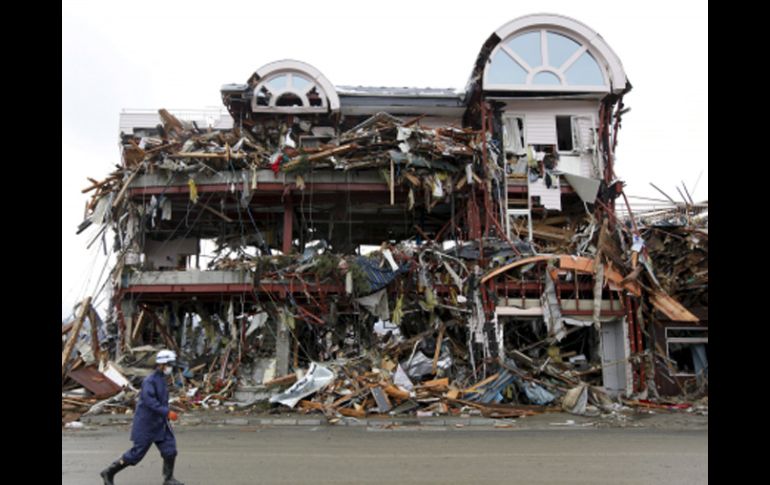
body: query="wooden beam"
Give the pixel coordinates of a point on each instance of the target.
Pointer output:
(84, 307)
(319, 156)
(96, 184)
(482, 383)
(353, 413)
(438, 349)
(394, 391)
(305, 404)
(281, 381)
(215, 212)
(163, 331)
(444, 382)
(94, 335)
(516, 264)
(223, 156)
(122, 192)
(139, 322)
(577, 263)
(672, 308)
(412, 179)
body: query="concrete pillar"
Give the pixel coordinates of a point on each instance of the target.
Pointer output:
(127, 310)
(282, 346)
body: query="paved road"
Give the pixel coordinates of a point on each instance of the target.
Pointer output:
(446, 455)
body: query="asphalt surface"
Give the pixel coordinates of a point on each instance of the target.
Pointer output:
(399, 454)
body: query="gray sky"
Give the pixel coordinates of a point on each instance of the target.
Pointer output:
(177, 54)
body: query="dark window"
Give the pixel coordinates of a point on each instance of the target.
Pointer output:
(681, 354)
(263, 97)
(313, 98)
(564, 133)
(687, 333)
(289, 99)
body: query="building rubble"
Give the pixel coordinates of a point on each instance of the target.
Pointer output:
(476, 296)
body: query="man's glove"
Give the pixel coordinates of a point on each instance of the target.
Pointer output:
(172, 416)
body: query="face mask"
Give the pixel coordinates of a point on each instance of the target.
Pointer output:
(167, 370)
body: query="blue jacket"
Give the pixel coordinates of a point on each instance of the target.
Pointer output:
(151, 418)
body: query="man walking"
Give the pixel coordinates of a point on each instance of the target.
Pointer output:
(151, 423)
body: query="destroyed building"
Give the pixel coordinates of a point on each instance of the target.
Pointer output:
(390, 249)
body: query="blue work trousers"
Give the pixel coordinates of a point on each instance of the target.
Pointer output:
(166, 446)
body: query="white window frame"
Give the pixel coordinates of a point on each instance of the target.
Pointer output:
(684, 340)
(573, 134)
(523, 135)
(559, 71)
(290, 89)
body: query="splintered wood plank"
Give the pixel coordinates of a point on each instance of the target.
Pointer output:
(672, 308)
(281, 381)
(352, 413)
(438, 349)
(84, 308)
(482, 383)
(515, 264)
(444, 382)
(577, 263)
(305, 404)
(395, 392)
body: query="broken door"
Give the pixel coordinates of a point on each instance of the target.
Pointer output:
(616, 370)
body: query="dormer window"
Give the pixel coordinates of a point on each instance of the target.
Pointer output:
(288, 90)
(544, 60)
(292, 87)
(547, 53)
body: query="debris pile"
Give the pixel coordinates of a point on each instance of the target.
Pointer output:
(478, 316)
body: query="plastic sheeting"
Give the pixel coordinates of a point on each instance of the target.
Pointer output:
(376, 304)
(420, 365)
(378, 277)
(383, 328)
(536, 394)
(700, 360)
(317, 378)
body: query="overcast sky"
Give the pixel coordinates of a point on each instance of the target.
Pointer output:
(177, 54)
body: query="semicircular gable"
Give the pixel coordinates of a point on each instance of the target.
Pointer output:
(293, 86)
(546, 52)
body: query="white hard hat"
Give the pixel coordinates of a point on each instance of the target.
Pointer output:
(165, 357)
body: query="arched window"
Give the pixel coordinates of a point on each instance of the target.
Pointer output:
(289, 89)
(544, 60)
(293, 87)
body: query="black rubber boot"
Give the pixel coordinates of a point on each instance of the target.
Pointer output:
(168, 471)
(109, 473)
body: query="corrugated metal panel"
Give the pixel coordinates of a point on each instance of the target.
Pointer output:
(95, 381)
(540, 128)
